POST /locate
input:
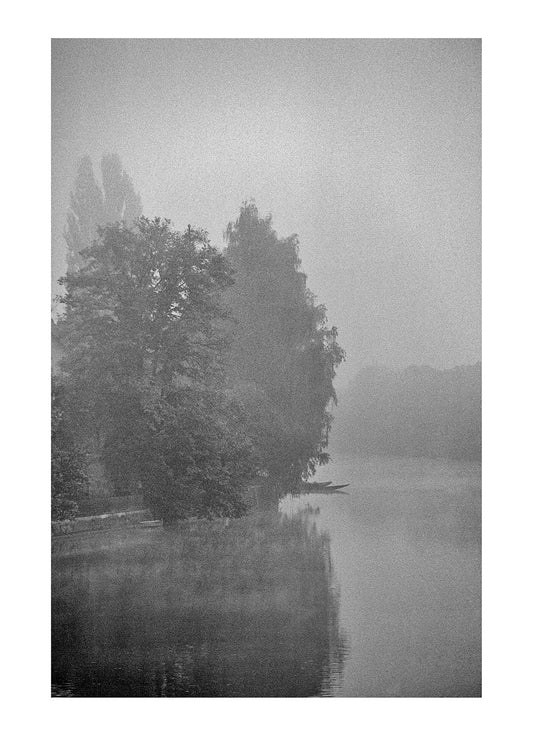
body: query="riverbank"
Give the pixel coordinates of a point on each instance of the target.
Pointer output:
(100, 523)
(223, 607)
(257, 496)
(374, 593)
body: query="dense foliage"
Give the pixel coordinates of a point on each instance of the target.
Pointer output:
(187, 372)
(283, 357)
(143, 338)
(69, 480)
(415, 412)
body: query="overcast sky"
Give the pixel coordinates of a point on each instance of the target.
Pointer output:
(369, 150)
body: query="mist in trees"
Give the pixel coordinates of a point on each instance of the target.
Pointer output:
(188, 372)
(283, 355)
(415, 412)
(92, 205)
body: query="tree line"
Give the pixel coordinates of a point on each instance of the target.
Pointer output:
(417, 412)
(188, 372)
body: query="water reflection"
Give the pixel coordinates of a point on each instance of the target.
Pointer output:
(246, 608)
(405, 543)
(253, 608)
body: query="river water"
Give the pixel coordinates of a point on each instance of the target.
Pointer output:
(370, 592)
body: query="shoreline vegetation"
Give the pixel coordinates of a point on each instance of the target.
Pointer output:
(117, 513)
(258, 497)
(182, 373)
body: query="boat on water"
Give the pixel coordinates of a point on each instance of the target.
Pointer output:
(321, 487)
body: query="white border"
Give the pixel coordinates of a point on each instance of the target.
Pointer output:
(34, 721)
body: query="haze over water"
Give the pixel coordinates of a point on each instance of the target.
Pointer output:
(377, 593)
(405, 547)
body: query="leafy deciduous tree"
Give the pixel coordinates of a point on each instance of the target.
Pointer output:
(143, 336)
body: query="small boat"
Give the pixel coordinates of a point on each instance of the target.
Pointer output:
(321, 487)
(315, 485)
(150, 524)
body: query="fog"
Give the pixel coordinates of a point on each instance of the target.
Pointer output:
(222, 526)
(369, 150)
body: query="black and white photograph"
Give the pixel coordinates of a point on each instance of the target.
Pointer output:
(266, 367)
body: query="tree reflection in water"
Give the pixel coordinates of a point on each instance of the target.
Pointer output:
(238, 608)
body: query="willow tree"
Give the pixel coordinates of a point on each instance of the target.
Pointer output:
(284, 356)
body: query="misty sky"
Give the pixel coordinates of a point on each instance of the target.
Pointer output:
(369, 150)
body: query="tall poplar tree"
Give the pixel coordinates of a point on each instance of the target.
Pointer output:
(92, 206)
(85, 214)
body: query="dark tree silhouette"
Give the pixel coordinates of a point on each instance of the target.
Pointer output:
(143, 339)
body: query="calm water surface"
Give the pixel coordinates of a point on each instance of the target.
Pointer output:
(375, 592)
